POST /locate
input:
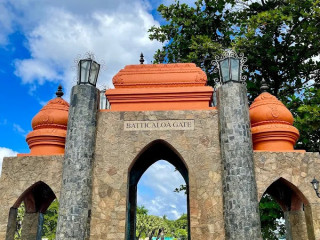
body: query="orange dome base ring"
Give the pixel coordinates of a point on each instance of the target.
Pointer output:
(274, 137)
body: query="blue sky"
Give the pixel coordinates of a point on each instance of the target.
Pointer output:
(39, 41)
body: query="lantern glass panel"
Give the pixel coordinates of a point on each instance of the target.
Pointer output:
(224, 69)
(235, 69)
(94, 73)
(84, 70)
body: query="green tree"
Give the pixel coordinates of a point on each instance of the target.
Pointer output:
(20, 215)
(153, 226)
(50, 221)
(149, 225)
(270, 213)
(192, 34)
(306, 111)
(49, 224)
(142, 210)
(279, 39)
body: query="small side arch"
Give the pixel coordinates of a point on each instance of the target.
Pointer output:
(296, 208)
(151, 153)
(37, 198)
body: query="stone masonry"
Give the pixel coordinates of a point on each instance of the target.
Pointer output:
(115, 154)
(116, 151)
(75, 202)
(20, 173)
(241, 214)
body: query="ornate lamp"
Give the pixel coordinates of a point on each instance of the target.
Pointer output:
(88, 71)
(315, 184)
(230, 67)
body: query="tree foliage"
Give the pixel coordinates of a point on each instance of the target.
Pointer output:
(306, 111)
(153, 226)
(50, 221)
(280, 39)
(20, 215)
(49, 224)
(270, 214)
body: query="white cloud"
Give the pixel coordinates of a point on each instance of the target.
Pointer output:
(156, 191)
(58, 31)
(19, 129)
(6, 22)
(5, 152)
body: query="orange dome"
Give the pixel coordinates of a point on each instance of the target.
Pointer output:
(267, 108)
(271, 124)
(50, 127)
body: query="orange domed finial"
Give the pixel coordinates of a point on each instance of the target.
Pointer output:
(271, 123)
(49, 127)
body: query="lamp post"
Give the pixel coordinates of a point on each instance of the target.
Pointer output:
(315, 184)
(88, 71)
(230, 66)
(240, 206)
(76, 188)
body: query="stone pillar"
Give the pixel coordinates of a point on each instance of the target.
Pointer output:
(241, 206)
(12, 224)
(32, 226)
(296, 227)
(288, 225)
(75, 197)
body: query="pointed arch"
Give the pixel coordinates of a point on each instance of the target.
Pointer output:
(154, 151)
(151, 153)
(37, 198)
(288, 196)
(296, 207)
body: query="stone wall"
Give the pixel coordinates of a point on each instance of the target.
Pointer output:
(19, 173)
(116, 151)
(297, 168)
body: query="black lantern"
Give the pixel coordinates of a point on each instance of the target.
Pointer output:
(88, 71)
(315, 185)
(229, 66)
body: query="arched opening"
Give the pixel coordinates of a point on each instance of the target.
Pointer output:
(295, 207)
(34, 214)
(153, 152)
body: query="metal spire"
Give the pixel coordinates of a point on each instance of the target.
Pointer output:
(59, 93)
(141, 58)
(264, 87)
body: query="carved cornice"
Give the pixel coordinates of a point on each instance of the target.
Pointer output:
(160, 75)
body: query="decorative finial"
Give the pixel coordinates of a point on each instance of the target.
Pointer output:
(59, 93)
(141, 58)
(264, 87)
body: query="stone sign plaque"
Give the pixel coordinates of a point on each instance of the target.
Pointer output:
(159, 125)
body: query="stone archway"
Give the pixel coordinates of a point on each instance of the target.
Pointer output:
(296, 208)
(154, 151)
(37, 198)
